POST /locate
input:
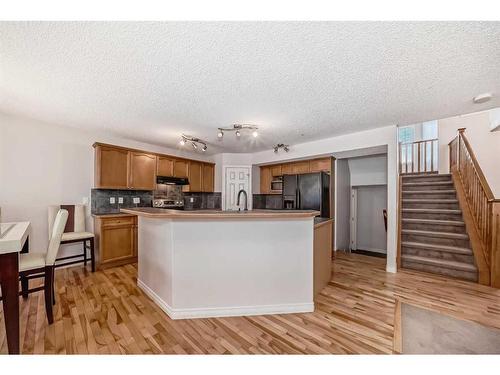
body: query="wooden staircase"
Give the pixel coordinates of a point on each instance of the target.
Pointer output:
(433, 234)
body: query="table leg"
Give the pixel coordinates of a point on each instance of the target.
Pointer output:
(24, 279)
(9, 280)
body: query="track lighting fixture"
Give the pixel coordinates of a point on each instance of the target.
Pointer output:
(279, 146)
(193, 141)
(238, 128)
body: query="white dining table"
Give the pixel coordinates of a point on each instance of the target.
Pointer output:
(13, 240)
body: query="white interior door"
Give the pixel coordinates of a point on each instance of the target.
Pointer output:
(235, 179)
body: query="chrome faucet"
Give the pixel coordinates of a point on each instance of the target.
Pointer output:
(246, 199)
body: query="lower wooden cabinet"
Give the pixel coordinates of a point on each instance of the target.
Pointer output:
(116, 240)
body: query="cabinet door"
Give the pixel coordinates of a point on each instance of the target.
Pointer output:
(300, 167)
(320, 165)
(164, 166)
(208, 178)
(265, 180)
(287, 169)
(111, 168)
(181, 168)
(195, 176)
(276, 170)
(142, 171)
(117, 243)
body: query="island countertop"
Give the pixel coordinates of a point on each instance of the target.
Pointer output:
(160, 213)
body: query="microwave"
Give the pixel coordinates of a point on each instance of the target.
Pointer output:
(277, 184)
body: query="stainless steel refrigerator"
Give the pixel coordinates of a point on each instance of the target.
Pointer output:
(309, 191)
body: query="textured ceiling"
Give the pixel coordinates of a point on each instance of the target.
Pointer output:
(299, 81)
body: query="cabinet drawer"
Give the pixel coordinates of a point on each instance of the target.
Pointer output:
(118, 221)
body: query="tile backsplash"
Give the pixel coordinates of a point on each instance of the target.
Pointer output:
(202, 201)
(267, 201)
(100, 200)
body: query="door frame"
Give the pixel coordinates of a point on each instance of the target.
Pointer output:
(353, 218)
(223, 188)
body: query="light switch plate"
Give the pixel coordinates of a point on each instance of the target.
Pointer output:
(112, 200)
(120, 200)
(191, 199)
(137, 200)
(85, 200)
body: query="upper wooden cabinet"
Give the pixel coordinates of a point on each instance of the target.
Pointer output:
(111, 167)
(265, 180)
(300, 167)
(320, 165)
(208, 178)
(181, 168)
(276, 170)
(142, 171)
(195, 176)
(165, 166)
(122, 168)
(287, 168)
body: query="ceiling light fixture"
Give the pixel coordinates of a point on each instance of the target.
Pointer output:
(238, 128)
(279, 146)
(193, 141)
(482, 98)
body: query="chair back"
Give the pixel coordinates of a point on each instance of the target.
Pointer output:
(76, 217)
(55, 237)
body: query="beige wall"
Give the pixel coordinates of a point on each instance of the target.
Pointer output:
(485, 144)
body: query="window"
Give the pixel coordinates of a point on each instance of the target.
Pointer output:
(429, 130)
(406, 134)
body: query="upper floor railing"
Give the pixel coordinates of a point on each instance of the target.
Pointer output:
(484, 208)
(418, 157)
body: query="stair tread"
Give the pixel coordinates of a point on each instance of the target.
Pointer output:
(431, 183)
(433, 210)
(436, 247)
(434, 221)
(435, 234)
(430, 192)
(441, 263)
(435, 200)
(426, 175)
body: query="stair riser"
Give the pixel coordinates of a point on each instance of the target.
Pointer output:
(406, 250)
(422, 195)
(431, 178)
(463, 275)
(436, 240)
(427, 187)
(434, 227)
(431, 216)
(436, 205)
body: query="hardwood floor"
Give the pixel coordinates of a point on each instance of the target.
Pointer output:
(105, 313)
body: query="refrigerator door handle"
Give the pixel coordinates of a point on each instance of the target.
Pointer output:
(298, 200)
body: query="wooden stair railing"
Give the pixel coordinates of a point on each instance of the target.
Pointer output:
(482, 207)
(418, 157)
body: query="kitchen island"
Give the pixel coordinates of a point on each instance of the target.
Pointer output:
(211, 263)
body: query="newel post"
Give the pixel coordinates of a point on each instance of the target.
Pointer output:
(460, 134)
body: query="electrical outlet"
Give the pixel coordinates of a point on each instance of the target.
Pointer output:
(112, 200)
(136, 200)
(191, 199)
(120, 200)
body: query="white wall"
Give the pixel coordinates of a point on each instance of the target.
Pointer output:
(484, 143)
(370, 231)
(342, 205)
(368, 170)
(43, 164)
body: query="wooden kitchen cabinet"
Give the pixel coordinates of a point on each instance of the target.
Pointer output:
(111, 167)
(165, 166)
(300, 167)
(181, 168)
(320, 165)
(116, 240)
(265, 180)
(208, 178)
(142, 171)
(276, 170)
(195, 176)
(287, 168)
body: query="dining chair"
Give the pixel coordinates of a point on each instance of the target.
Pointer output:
(37, 264)
(74, 232)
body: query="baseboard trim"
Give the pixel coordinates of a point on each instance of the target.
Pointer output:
(218, 312)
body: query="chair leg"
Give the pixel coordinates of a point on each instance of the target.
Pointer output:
(24, 287)
(85, 253)
(92, 254)
(53, 286)
(48, 291)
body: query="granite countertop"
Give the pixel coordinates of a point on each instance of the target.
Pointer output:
(114, 214)
(320, 221)
(218, 214)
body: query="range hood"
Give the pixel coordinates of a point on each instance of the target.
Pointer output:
(166, 180)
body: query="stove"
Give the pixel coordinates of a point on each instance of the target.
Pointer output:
(168, 204)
